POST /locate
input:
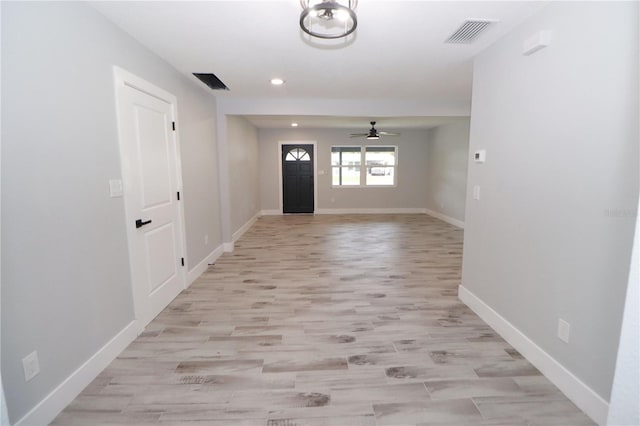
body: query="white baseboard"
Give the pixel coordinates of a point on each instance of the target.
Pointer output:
(445, 218)
(577, 391)
(230, 246)
(199, 269)
(244, 228)
(65, 392)
(270, 212)
(372, 211)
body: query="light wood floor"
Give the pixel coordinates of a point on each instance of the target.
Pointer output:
(325, 320)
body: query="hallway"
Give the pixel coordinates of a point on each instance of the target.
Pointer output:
(325, 320)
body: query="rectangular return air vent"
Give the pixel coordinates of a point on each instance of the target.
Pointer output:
(211, 80)
(468, 31)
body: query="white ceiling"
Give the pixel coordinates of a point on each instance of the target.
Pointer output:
(398, 52)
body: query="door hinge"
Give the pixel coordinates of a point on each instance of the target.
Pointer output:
(178, 193)
(182, 261)
(173, 125)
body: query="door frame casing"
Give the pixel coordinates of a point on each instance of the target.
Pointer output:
(315, 172)
(123, 78)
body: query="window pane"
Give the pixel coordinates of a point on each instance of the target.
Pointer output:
(297, 154)
(380, 156)
(380, 175)
(345, 155)
(345, 176)
(335, 158)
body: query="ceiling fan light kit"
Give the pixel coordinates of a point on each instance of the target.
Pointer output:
(328, 19)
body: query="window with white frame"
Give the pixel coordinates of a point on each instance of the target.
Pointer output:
(345, 165)
(380, 163)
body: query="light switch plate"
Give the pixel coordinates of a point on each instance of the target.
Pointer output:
(115, 188)
(31, 366)
(476, 192)
(564, 329)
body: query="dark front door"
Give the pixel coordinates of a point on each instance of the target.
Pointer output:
(297, 178)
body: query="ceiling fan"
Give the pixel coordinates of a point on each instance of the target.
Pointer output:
(373, 133)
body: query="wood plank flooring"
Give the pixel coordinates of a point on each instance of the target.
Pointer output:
(325, 320)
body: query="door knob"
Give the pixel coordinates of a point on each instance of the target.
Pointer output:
(140, 223)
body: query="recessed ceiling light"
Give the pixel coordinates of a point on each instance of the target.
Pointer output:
(294, 124)
(277, 81)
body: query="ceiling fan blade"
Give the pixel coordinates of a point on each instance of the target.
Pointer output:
(373, 133)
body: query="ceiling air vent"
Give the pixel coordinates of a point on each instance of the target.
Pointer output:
(468, 31)
(211, 80)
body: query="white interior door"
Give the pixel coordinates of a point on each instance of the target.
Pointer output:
(151, 173)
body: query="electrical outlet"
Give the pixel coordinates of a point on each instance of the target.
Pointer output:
(31, 366)
(206, 240)
(564, 328)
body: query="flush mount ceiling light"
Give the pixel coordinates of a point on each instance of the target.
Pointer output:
(328, 19)
(277, 81)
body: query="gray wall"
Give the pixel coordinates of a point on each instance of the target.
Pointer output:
(448, 151)
(197, 129)
(66, 289)
(551, 235)
(242, 143)
(411, 172)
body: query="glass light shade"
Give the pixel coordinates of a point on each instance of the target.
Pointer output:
(328, 19)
